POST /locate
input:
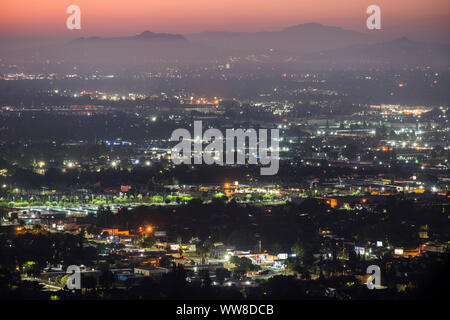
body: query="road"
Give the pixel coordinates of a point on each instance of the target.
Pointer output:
(47, 285)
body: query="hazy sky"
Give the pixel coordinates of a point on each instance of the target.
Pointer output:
(44, 18)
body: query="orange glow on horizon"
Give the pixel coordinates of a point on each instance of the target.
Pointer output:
(117, 18)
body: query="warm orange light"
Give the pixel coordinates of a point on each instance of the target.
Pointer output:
(227, 185)
(333, 203)
(149, 229)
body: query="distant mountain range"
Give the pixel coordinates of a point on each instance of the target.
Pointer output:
(146, 35)
(309, 37)
(310, 45)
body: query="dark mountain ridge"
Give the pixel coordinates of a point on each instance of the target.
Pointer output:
(146, 35)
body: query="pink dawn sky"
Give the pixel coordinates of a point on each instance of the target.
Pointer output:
(47, 18)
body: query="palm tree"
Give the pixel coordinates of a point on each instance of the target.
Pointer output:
(203, 250)
(180, 242)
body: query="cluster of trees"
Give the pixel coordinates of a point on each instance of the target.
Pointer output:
(31, 252)
(243, 265)
(97, 200)
(102, 200)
